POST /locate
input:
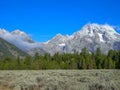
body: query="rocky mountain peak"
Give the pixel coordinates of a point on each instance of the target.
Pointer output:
(91, 36)
(23, 35)
(92, 30)
(58, 38)
(18, 32)
(97, 28)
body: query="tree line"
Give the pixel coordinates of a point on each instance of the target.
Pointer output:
(83, 60)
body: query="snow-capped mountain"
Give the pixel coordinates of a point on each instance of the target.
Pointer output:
(91, 36)
(57, 43)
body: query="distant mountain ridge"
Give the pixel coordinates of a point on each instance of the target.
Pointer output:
(24, 36)
(90, 36)
(20, 39)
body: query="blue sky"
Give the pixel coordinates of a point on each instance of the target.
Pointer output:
(43, 19)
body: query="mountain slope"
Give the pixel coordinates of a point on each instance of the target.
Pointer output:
(93, 36)
(90, 36)
(19, 39)
(23, 36)
(7, 49)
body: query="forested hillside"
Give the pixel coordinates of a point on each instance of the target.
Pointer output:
(9, 50)
(83, 60)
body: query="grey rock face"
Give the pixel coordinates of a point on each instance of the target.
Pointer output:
(90, 36)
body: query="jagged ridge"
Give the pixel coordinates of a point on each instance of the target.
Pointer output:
(91, 36)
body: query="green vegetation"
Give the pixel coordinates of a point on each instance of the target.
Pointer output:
(83, 60)
(9, 50)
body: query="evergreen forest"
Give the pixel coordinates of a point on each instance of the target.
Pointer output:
(83, 60)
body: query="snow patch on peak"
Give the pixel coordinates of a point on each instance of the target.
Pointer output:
(99, 26)
(62, 44)
(92, 29)
(101, 37)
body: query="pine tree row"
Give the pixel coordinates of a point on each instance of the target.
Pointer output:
(83, 60)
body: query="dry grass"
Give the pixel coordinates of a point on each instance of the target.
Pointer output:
(60, 80)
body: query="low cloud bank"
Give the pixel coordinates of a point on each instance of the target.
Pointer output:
(18, 40)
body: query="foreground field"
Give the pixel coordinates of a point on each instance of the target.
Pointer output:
(60, 80)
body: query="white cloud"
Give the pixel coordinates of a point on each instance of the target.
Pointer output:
(18, 40)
